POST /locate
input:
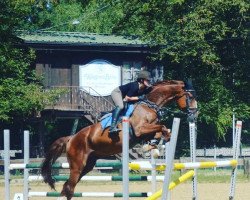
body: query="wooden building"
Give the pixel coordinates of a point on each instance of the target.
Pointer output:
(88, 67)
(67, 60)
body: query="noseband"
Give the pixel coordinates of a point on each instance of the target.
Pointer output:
(190, 112)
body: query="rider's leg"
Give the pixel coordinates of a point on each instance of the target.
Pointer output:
(115, 116)
(117, 98)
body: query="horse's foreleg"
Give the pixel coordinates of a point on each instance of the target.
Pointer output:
(159, 130)
(166, 133)
(147, 129)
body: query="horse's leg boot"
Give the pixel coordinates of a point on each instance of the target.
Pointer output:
(115, 116)
(153, 144)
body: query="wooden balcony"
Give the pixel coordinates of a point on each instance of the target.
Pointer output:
(75, 99)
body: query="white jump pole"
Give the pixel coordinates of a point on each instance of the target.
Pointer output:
(192, 135)
(26, 143)
(170, 152)
(125, 157)
(153, 172)
(236, 148)
(7, 163)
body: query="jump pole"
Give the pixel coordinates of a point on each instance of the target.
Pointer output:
(170, 152)
(125, 157)
(236, 148)
(26, 161)
(59, 178)
(7, 163)
(192, 137)
(172, 185)
(153, 172)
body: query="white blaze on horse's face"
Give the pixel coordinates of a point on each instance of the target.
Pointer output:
(193, 103)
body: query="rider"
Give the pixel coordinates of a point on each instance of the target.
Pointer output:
(128, 92)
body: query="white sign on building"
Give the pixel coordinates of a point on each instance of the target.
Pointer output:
(99, 77)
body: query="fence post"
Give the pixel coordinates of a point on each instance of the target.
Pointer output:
(153, 172)
(192, 135)
(215, 155)
(7, 163)
(26, 161)
(125, 157)
(170, 150)
(236, 151)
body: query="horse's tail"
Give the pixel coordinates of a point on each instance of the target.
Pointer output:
(55, 150)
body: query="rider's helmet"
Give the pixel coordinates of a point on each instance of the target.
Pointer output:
(143, 75)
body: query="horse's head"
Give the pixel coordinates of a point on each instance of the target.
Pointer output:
(188, 102)
(182, 92)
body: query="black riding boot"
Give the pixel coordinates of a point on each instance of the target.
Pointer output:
(115, 116)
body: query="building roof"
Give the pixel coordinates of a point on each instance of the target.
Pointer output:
(80, 39)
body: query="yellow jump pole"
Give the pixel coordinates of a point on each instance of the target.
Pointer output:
(172, 185)
(179, 166)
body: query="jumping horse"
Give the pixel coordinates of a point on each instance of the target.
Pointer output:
(92, 143)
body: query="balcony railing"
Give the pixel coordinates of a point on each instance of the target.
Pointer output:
(75, 98)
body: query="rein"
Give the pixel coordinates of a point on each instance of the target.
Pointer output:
(160, 111)
(153, 106)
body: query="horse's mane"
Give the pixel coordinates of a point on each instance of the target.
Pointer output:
(168, 82)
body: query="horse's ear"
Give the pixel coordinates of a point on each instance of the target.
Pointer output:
(189, 87)
(188, 84)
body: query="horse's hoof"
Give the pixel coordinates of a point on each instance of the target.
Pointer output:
(155, 153)
(148, 147)
(145, 147)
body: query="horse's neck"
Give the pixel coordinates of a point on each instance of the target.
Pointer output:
(161, 98)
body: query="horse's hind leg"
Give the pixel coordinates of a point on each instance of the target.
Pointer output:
(76, 166)
(76, 162)
(91, 161)
(77, 170)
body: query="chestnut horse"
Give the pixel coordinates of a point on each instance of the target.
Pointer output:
(92, 142)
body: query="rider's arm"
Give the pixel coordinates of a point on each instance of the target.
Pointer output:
(127, 98)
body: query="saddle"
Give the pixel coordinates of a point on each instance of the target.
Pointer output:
(107, 118)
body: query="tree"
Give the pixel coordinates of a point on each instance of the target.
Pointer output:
(85, 16)
(21, 94)
(206, 40)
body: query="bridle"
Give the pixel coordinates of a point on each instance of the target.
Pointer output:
(189, 112)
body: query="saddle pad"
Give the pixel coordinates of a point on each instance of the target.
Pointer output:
(106, 122)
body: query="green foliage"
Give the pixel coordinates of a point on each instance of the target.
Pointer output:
(94, 17)
(205, 40)
(21, 94)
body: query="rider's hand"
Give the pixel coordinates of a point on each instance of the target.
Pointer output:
(141, 98)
